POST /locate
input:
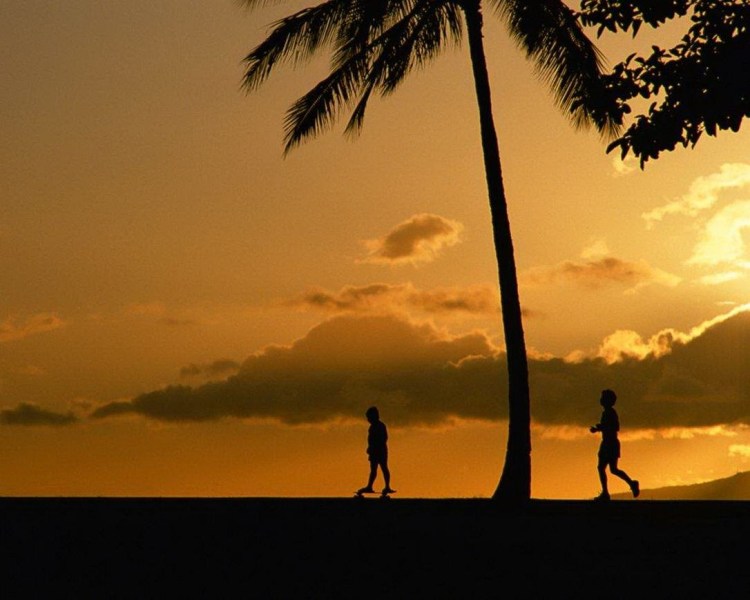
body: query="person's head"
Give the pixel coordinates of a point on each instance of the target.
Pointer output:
(372, 414)
(608, 398)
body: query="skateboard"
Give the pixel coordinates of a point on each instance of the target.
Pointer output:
(383, 495)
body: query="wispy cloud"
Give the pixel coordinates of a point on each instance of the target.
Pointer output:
(719, 278)
(159, 312)
(14, 329)
(419, 239)
(28, 370)
(721, 222)
(596, 249)
(742, 450)
(703, 193)
(598, 273)
(177, 322)
(151, 309)
(476, 300)
(28, 414)
(624, 167)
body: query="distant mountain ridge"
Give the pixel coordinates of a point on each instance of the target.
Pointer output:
(736, 487)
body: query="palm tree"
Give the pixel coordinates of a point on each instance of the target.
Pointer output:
(375, 44)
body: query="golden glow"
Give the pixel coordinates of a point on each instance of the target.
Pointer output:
(152, 235)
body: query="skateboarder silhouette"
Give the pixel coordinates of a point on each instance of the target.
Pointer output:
(377, 452)
(609, 449)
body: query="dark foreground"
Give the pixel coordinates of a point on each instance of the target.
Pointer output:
(347, 548)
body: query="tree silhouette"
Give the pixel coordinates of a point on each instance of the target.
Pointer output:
(374, 46)
(700, 85)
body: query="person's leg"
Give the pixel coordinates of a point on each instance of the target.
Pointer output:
(601, 467)
(619, 472)
(371, 478)
(634, 485)
(386, 474)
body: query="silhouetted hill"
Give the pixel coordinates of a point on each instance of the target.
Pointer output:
(736, 487)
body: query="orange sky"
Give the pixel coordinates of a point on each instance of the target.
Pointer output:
(152, 236)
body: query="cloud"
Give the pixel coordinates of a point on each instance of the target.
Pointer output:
(741, 450)
(418, 239)
(414, 371)
(11, 329)
(719, 278)
(596, 249)
(722, 240)
(28, 370)
(703, 193)
(702, 381)
(218, 368)
(721, 230)
(150, 309)
(28, 414)
(161, 313)
(624, 167)
(175, 322)
(598, 273)
(624, 344)
(418, 374)
(478, 300)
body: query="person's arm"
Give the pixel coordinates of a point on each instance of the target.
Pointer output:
(598, 427)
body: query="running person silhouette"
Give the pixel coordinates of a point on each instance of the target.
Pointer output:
(609, 449)
(377, 451)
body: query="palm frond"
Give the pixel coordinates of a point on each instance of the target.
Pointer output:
(411, 42)
(366, 20)
(430, 30)
(565, 58)
(376, 44)
(318, 108)
(294, 38)
(351, 76)
(356, 120)
(253, 4)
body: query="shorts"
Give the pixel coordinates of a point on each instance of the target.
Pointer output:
(609, 451)
(379, 458)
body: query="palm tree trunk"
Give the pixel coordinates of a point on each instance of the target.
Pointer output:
(515, 481)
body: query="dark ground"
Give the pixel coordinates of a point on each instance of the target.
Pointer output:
(348, 548)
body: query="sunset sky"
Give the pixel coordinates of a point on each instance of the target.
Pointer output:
(185, 312)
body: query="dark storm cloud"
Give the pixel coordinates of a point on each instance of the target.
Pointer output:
(28, 414)
(419, 375)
